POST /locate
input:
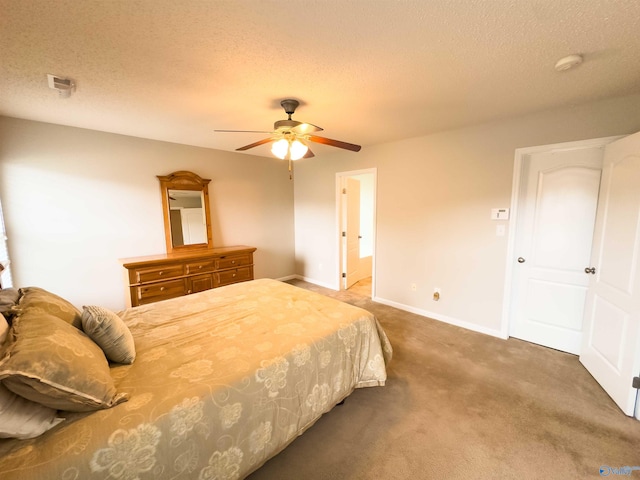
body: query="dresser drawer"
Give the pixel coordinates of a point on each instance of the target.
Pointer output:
(154, 274)
(232, 261)
(159, 291)
(233, 276)
(200, 283)
(203, 266)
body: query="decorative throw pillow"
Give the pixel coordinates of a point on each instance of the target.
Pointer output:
(50, 362)
(40, 300)
(20, 418)
(110, 333)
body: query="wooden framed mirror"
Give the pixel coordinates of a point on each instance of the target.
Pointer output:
(185, 205)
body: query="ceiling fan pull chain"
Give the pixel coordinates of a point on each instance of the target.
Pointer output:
(290, 170)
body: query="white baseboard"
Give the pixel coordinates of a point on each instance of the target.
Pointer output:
(424, 313)
(442, 318)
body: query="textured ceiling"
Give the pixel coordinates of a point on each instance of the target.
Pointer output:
(367, 71)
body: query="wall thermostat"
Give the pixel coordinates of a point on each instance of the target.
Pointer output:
(499, 214)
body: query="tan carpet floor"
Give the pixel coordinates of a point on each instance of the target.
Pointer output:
(463, 405)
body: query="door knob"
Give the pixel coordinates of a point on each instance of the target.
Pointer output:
(520, 260)
(591, 270)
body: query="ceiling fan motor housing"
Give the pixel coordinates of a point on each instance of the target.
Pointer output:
(290, 106)
(285, 124)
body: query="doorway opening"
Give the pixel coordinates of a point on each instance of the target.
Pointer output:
(554, 196)
(572, 257)
(356, 204)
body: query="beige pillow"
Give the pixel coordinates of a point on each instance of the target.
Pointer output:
(50, 362)
(20, 418)
(110, 333)
(40, 300)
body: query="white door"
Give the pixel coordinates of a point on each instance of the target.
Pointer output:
(194, 230)
(611, 346)
(351, 195)
(556, 218)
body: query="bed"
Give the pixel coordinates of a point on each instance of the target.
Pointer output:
(222, 381)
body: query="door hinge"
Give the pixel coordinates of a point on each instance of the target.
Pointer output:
(636, 382)
(344, 190)
(344, 275)
(344, 234)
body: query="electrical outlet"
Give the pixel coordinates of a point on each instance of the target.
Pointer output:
(413, 287)
(436, 294)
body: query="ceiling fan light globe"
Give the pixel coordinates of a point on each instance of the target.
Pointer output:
(280, 148)
(298, 150)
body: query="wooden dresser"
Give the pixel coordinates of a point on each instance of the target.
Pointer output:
(159, 277)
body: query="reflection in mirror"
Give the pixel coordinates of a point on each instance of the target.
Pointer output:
(188, 223)
(185, 204)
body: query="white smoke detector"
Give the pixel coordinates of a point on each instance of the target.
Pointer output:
(64, 86)
(570, 61)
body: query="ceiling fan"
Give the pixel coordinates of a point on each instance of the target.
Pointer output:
(290, 138)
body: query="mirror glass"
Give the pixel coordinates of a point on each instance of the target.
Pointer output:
(185, 205)
(188, 223)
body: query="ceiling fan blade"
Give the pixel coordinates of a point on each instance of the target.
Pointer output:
(241, 131)
(309, 154)
(256, 144)
(305, 128)
(335, 143)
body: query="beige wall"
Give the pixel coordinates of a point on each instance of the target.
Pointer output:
(77, 200)
(434, 197)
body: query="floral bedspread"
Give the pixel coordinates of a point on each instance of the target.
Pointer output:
(223, 380)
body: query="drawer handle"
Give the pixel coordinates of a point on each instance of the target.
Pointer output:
(234, 274)
(161, 289)
(200, 267)
(233, 261)
(160, 272)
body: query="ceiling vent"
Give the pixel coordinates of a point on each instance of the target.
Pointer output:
(64, 86)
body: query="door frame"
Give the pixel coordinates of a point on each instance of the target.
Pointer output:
(521, 158)
(339, 227)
